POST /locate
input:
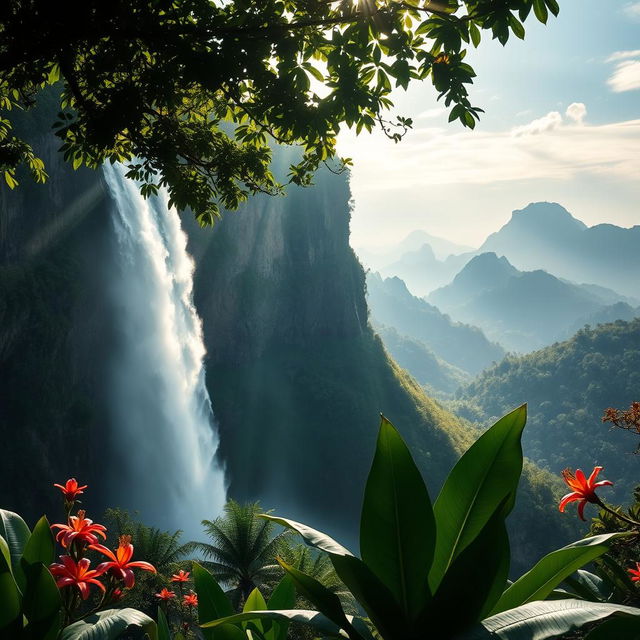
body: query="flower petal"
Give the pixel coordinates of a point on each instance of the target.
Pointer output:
(570, 497)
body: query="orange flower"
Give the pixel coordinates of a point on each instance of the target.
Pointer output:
(181, 576)
(635, 573)
(79, 528)
(584, 489)
(69, 573)
(71, 490)
(190, 600)
(165, 594)
(120, 564)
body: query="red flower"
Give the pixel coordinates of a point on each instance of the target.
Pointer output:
(71, 490)
(191, 599)
(584, 489)
(635, 573)
(165, 594)
(181, 576)
(120, 565)
(69, 573)
(116, 595)
(79, 528)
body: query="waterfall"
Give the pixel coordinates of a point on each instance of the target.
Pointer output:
(164, 429)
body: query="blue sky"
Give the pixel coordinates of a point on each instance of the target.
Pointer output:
(562, 123)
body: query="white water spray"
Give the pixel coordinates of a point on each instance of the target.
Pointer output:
(162, 415)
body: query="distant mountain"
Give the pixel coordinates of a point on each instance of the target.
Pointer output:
(568, 386)
(378, 258)
(610, 313)
(461, 345)
(545, 235)
(521, 310)
(426, 367)
(421, 270)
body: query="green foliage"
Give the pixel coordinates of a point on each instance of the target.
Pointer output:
(30, 602)
(448, 585)
(567, 386)
(242, 550)
(190, 94)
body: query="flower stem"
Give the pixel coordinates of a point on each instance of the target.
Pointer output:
(620, 516)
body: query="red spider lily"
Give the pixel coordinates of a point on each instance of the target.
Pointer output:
(70, 489)
(78, 574)
(79, 528)
(584, 489)
(120, 564)
(181, 576)
(165, 594)
(191, 599)
(635, 573)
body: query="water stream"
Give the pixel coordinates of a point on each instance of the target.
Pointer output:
(165, 430)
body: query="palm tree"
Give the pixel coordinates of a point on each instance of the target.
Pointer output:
(243, 549)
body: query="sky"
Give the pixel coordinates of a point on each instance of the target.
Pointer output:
(562, 124)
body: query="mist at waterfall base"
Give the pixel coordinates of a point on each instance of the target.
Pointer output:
(162, 464)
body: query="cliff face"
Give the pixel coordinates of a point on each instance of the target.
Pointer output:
(52, 329)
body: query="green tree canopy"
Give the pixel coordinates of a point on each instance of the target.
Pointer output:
(190, 93)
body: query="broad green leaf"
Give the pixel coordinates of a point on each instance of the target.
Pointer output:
(314, 619)
(10, 605)
(40, 546)
(213, 604)
(255, 602)
(589, 586)
(5, 556)
(621, 628)
(311, 536)
(549, 572)
(397, 528)
(283, 597)
(371, 593)
(41, 603)
(164, 633)
(16, 533)
(109, 625)
(476, 578)
(481, 480)
(327, 602)
(541, 620)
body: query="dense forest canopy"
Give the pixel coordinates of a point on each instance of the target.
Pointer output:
(190, 93)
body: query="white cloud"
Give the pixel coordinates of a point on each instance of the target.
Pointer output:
(626, 73)
(577, 112)
(431, 113)
(626, 76)
(632, 9)
(623, 55)
(548, 148)
(551, 121)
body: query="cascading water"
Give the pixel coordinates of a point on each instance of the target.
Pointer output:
(163, 422)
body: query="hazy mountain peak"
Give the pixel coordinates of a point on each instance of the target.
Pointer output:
(545, 215)
(486, 267)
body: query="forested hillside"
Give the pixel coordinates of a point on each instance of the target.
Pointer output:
(568, 385)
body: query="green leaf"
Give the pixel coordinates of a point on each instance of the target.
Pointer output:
(16, 533)
(41, 603)
(109, 625)
(589, 586)
(213, 604)
(284, 595)
(164, 633)
(549, 572)
(10, 601)
(312, 618)
(255, 602)
(368, 589)
(397, 528)
(540, 10)
(311, 536)
(327, 602)
(541, 620)
(477, 578)
(474, 33)
(481, 480)
(40, 546)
